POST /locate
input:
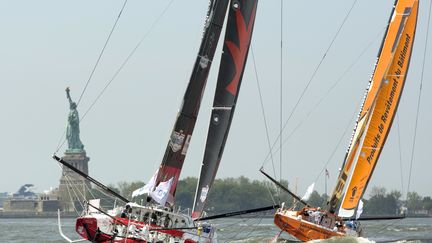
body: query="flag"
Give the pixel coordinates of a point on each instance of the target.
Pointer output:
(308, 192)
(327, 173)
(147, 188)
(161, 193)
(359, 209)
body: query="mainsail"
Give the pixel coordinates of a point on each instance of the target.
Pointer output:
(178, 143)
(238, 35)
(379, 108)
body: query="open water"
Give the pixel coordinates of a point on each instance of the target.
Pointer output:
(229, 230)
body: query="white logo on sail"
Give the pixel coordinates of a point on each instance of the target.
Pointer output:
(204, 192)
(176, 140)
(204, 61)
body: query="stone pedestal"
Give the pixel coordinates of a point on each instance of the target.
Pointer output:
(73, 187)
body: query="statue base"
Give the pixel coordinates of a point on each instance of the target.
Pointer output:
(75, 151)
(73, 188)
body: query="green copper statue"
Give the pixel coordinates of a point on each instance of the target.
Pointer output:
(72, 132)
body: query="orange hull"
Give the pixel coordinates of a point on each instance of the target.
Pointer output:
(303, 230)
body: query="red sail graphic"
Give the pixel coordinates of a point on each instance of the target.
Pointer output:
(239, 52)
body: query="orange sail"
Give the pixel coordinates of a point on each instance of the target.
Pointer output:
(372, 128)
(380, 103)
(398, 24)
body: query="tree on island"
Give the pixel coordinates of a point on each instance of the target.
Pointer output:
(233, 194)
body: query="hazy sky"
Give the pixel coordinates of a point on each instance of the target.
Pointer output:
(49, 45)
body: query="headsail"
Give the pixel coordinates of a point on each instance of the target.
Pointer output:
(238, 35)
(177, 147)
(379, 108)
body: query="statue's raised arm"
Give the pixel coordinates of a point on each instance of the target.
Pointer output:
(73, 130)
(68, 96)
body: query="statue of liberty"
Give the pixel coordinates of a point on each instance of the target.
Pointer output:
(73, 131)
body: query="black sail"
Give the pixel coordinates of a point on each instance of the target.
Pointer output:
(178, 143)
(238, 35)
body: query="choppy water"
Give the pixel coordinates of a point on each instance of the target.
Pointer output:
(229, 230)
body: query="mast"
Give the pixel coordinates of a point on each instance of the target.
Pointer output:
(241, 18)
(379, 108)
(178, 143)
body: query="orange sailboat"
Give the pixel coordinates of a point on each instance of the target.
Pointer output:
(372, 127)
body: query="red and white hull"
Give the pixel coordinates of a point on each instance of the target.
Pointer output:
(138, 227)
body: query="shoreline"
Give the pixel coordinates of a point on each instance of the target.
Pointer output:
(25, 215)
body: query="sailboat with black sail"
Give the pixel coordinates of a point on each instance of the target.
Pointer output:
(370, 133)
(158, 220)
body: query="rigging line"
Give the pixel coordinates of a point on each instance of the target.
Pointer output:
(62, 141)
(262, 107)
(264, 117)
(328, 91)
(129, 57)
(400, 151)
(248, 232)
(230, 225)
(252, 230)
(123, 64)
(101, 53)
(281, 94)
(318, 66)
(74, 187)
(100, 190)
(71, 199)
(235, 234)
(69, 182)
(347, 128)
(85, 187)
(89, 190)
(270, 193)
(384, 227)
(314, 73)
(419, 99)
